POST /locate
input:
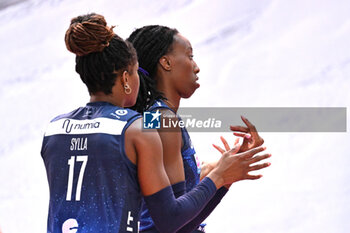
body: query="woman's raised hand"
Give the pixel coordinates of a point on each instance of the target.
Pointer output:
(251, 138)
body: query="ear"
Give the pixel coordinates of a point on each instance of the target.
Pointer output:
(165, 63)
(124, 78)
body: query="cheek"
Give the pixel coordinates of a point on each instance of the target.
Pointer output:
(186, 67)
(184, 73)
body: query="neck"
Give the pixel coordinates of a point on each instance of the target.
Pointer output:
(170, 104)
(164, 86)
(102, 97)
(172, 98)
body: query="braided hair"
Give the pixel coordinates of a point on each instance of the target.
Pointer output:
(101, 54)
(151, 43)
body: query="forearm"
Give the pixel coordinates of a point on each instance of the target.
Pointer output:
(170, 214)
(193, 225)
(179, 190)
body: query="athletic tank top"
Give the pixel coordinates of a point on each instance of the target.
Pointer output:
(190, 161)
(93, 185)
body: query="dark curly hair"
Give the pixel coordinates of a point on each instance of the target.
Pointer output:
(101, 54)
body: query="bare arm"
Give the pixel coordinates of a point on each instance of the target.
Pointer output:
(171, 140)
(144, 148)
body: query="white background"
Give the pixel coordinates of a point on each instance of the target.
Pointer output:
(262, 53)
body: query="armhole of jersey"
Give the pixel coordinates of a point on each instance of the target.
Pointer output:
(122, 148)
(43, 148)
(45, 138)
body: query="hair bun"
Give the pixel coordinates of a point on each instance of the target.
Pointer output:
(87, 34)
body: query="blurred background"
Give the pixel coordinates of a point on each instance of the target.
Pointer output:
(253, 53)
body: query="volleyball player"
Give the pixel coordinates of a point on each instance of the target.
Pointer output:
(98, 159)
(168, 73)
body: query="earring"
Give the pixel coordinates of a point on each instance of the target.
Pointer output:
(127, 89)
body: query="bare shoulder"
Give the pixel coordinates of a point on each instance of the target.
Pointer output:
(137, 139)
(170, 121)
(137, 132)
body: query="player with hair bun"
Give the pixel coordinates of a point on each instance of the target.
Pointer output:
(168, 73)
(99, 161)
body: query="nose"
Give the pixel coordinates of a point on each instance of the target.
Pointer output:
(196, 68)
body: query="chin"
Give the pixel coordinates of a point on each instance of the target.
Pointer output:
(187, 95)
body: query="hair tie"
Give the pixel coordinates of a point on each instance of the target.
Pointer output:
(143, 71)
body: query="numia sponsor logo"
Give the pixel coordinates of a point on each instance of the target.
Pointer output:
(68, 126)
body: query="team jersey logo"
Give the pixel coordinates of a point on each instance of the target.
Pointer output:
(151, 120)
(121, 112)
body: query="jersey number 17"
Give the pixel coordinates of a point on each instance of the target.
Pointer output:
(71, 163)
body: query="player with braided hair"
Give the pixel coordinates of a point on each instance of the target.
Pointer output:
(167, 74)
(99, 161)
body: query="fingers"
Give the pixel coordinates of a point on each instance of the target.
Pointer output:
(234, 150)
(259, 158)
(250, 153)
(219, 149)
(251, 127)
(259, 166)
(255, 138)
(253, 177)
(246, 137)
(247, 122)
(227, 147)
(243, 135)
(239, 128)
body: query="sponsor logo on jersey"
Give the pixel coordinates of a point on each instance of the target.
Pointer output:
(68, 125)
(90, 126)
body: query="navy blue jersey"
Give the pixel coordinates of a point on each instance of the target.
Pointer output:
(93, 185)
(190, 162)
